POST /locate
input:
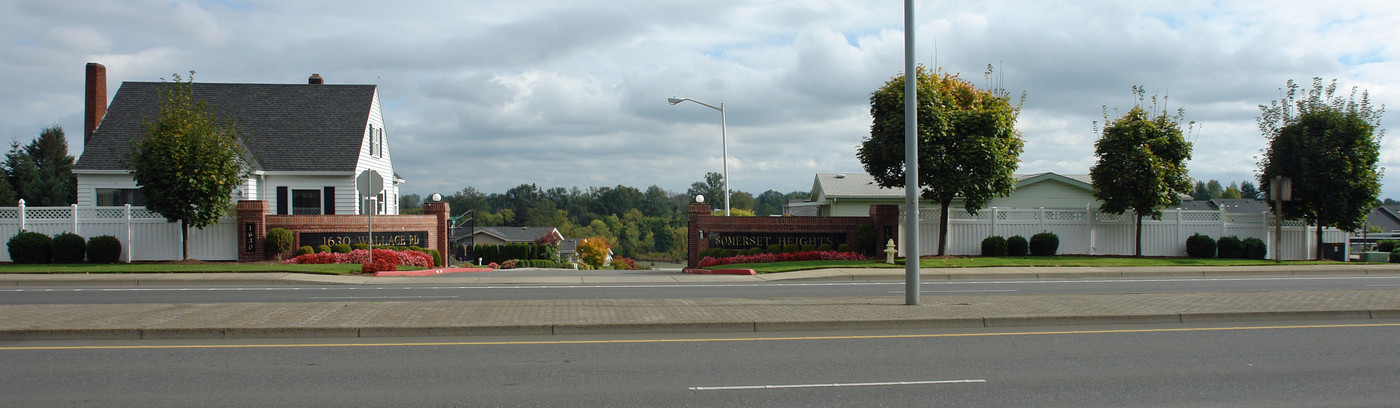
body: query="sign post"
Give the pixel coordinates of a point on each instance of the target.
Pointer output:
(1280, 190)
(370, 183)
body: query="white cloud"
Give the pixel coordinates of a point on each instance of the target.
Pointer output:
(495, 94)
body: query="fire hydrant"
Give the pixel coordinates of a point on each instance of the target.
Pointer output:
(889, 252)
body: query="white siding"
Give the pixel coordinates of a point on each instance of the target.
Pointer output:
(344, 190)
(1047, 194)
(89, 183)
(382, 164)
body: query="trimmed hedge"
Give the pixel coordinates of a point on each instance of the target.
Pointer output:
(1200, 246)
(104, 249)
(30, 248)
(994, 246)
(1017, 246)
(1229, 247)
(1386, 245)
(519, 251)
(278, 241)
(1044, 244)
(305, 249)
(69, 248)
(1255, 248)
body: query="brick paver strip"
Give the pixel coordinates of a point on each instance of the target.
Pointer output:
(547, 316)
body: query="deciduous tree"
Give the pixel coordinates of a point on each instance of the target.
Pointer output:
(967, 142)
(188, 160)
(1141, 164)
(1328, 145)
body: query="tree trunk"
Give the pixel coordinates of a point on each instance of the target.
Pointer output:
(1137, 251)
(943, 229)
(1319, 242)
(185, 237)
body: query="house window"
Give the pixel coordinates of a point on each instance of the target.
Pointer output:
(306, 202)
(381, 203)
(107, 197)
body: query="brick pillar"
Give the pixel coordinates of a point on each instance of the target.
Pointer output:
(252, 229)
(694, 243)
(886, 221)
(440, 209)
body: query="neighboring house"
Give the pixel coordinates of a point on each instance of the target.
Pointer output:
(852, 194)
(308, 143)
(513, 235)
(1229, 205)
(1386, 218)
(568, 247)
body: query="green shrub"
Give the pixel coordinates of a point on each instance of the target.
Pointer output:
(305, 250)
(1255, 248)
(69, 248)
(1200, 246)
(1044, 244)
(104, 249)
(863, 240)
(340, 248)
(843, 248)
(359, 245)
(437, 256)
(1386, 245)
(753, 251)
(809, 247)
(787, 249)
(774, 249)
(30, 248)
(1229, 247)
(1017, 246)
(824, 247)
(994, 246)
(278, 241)
(1395, 256)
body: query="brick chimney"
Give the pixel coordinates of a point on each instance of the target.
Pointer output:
(95, 99)
(315, 79)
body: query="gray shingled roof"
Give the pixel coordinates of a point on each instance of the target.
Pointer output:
(516, 234)
(862, 185)
(288, 127)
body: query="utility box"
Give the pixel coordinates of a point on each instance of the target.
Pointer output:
(1377, 257)
(1334, 251)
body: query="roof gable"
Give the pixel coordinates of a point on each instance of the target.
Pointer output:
(286, 127)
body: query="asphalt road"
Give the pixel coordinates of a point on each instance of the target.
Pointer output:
(431, 291)
(1272, 364)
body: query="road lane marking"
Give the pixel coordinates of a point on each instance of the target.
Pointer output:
(958, 291)
(381, 297)
(834, 385)
(709, 340)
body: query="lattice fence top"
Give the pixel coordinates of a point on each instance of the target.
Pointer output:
(48, 213)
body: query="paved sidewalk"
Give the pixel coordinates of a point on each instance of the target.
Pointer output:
(554, 317)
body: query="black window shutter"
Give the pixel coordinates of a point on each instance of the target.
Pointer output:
(283, 198)
(329, 197)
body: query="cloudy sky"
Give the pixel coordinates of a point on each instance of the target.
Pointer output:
(563, 93)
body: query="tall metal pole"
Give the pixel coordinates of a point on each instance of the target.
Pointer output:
(911, 163)
(724, 145)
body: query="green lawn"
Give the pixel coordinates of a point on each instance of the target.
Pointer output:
(1030, 261)
(162, 267)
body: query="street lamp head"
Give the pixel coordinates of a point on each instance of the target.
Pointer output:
(674, 101)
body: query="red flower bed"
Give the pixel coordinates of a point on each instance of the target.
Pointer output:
(384, 259)
(788, 257)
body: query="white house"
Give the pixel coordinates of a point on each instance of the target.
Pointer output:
(308, 143)
(852, 194)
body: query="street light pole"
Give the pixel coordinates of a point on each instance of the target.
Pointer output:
(723, 142)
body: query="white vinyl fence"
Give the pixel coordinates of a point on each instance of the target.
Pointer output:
(1088, 232)
(145, 235)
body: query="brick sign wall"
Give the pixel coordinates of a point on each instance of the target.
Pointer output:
(428, 231)
(708, 231)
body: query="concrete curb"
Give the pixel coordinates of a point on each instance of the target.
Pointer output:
(683, 327)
